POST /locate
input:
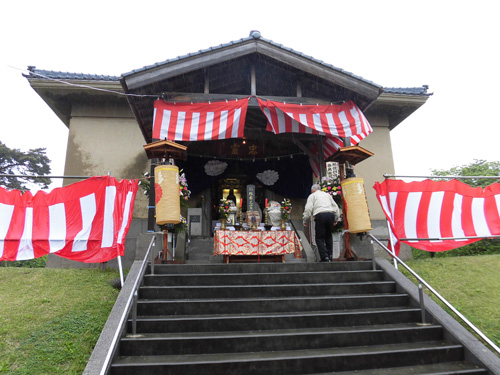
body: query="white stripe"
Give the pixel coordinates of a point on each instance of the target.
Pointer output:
(223, 125)
(25, 250)
(195, 124)
(126, 214)
(6, 211)
(179, 127)
(456, 218)
(411, 212)
(303, 120)
(393, 196)
(479, 218)
(108, 220)
(281, 121)
(317, 122)
(331, 123)
(385, 206)
(296, 125)
(434, 215)
(165, 123)
(497, 201)
(209, 126)
(57, 227)
(88, 211)
(236, 123)
(357, 121)
(345, 124)
(267, 112)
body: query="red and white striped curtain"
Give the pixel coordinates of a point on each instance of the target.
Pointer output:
(86, 221)
(199, 121)
(333, 121)
(439, 209)
(336, 120)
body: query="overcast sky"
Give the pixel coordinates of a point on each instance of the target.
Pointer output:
(452, 46)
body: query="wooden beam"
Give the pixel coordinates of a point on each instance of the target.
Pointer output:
(305, 149)
(198, 97)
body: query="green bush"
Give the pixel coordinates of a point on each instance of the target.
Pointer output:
(483, 247)
(31, 263)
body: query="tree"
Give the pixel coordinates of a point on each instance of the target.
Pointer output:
(29, 164)
(476, 168)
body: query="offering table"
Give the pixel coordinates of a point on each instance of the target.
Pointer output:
(248, 245)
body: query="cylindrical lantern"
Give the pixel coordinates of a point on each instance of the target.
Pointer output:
(356, 206)
(167, 197)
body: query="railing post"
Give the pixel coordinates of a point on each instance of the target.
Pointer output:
(153, 257)
(134, 314)
(422, 304)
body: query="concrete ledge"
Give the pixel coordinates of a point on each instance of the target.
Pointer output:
(115, 326)
(475, 351)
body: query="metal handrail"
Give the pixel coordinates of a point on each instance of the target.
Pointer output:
(131, 300)
(441, 298)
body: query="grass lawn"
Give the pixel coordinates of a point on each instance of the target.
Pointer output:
(50, 319)
(470, 283)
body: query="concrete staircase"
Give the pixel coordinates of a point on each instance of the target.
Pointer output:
(302, 318)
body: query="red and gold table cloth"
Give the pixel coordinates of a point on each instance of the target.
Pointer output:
(279, 242)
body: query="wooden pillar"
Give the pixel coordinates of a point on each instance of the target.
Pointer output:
(321, 157)
(253, 80)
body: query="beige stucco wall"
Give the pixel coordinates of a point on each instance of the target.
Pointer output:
(373, 168)
(103, 140)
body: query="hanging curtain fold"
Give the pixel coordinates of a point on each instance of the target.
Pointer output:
(199, 121)
(86, 221)
(439, 209)
(334, 121)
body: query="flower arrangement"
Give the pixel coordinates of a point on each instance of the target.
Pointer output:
(184, 192)
(286, 209)
(224, 208)
(331, 186)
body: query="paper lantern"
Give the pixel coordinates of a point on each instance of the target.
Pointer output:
(356, 206)
(167, 197)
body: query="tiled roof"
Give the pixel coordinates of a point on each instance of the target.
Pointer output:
(407, 90)
(40, 73)
(254, 35)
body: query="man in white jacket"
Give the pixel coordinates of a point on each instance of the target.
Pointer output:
(326, 213)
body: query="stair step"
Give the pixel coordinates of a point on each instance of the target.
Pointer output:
(285, 339)
(445, 368)
(267, 321)
(274, 290)
(291, 362)
(261, 267)
(275, 304)
(263, 277)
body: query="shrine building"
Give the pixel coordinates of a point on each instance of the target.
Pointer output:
(111, 118)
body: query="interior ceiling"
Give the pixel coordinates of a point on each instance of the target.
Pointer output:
(233, 77)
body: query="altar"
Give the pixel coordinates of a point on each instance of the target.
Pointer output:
(238, 245)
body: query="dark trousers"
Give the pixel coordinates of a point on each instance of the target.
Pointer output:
(324, 226)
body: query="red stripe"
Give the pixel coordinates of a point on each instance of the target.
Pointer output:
(492, 214)
(12, 238)
(41, 226)
(467, 224)
(422, 215)
(446, 214)
(399, 214)
(202, 127)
